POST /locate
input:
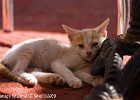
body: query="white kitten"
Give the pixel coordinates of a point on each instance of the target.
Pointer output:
(32, 60)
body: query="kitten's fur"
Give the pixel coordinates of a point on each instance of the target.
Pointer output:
(33, 59)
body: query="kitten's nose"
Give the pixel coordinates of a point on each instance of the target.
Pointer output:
(88, 53)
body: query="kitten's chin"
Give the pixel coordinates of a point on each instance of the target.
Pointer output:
(88, 58)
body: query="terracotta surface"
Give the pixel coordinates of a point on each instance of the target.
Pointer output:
(43, 18)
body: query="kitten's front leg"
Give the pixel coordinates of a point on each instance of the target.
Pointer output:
(84, 75)
(69, 77)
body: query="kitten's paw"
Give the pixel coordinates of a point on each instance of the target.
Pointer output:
(29, 79)
(74, 82)
(55, 79)
(97, 80)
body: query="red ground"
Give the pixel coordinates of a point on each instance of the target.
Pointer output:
(43, 18)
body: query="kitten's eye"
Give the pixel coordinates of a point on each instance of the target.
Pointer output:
(81, 46)
(94, 44)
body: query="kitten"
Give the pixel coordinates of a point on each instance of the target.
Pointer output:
(34, 60)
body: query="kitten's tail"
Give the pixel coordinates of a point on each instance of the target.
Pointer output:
(5, 72)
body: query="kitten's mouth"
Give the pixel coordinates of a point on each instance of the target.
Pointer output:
(88, 58)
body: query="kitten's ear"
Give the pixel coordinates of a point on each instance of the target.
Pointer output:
(102, 29)
(70, 31)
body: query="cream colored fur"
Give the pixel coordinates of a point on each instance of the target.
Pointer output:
(32, 60)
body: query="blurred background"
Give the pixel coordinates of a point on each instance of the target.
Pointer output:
(49, 15)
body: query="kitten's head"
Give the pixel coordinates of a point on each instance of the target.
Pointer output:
(86, 42)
